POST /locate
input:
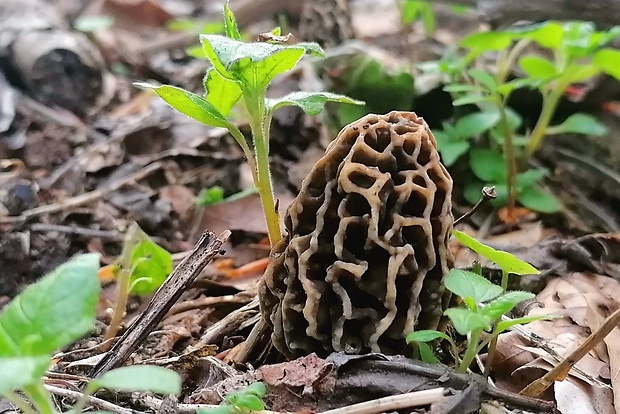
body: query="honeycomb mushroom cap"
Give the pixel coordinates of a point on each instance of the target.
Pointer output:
(366, 251)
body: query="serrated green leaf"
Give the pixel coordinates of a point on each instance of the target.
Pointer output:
(147, 378)
(472, 125)
(53, 312)
(151, 266)
(580, 124)
(18, 372)
(608, 60)
(425, 336)
(488, 165)
(539, 200)
(252, 64)
(504, 304)
(506, 261)
(470, 99)
(230, 23)
(466, 321)
(484, 78)
(311, 103)
(188, 103)
(487, 41)
(538, 67)
(470, 285)
(223, 93)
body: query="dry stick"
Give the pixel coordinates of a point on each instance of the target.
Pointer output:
(395, 402)
(560, 371)
(256, 334)
(180, 279)
(94, 401)
(228, 324)
(80, 231)
(82, 198)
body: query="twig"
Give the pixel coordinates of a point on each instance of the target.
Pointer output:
(228, 324)
(560, 371)
(81, 231)
(82, 198)
(208, 302)
(394, 402)
(260, 329)
(180, 279)
(94, 401)
(488, 193)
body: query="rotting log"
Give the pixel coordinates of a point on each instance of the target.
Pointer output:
(41, 54)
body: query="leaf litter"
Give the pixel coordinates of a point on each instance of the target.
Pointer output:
(140, 162)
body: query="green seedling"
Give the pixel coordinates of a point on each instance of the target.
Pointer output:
(140, 270)
(241, 402)
(242, 72)
(215, 195)
(576, 52)
(485, 304)
(48, 315)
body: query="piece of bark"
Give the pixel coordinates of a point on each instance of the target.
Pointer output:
(41, 54)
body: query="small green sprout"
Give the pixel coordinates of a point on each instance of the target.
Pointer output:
(241, 402)
(242, 72)
(51, 314)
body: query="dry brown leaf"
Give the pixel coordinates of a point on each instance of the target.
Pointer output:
(181, 199)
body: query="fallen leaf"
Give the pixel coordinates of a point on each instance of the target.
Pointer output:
(181, 199)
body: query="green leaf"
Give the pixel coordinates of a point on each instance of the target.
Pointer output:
(230, 23)
(470, 285)
(466, 321)
(537, 67)
(426, 335)
(151, 266)
(506, 261)
(461, 87)
(146, 378)
(504, 304)
(538, 200)
(484, 78)
(257, 388)
(188, 103)
(428, 18)
(546, 34)
(531, 177)
(311, 103)
(488, 165)
(504, 325)
(223, 93)
(487, 41)
(253, 64)
(470, 99)
(507, 88)
(579, 73)
(53, 312)
(580, 124)
(247, 401)
(210, 196)
(410, 10)
(426, 353)
(451, 151)
(18, 372)
(312, 49)
(608, 60)
(475, 124)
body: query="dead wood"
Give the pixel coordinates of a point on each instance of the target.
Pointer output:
(181, 278)
(39, 52)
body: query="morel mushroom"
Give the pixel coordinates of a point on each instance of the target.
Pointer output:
(366, 251)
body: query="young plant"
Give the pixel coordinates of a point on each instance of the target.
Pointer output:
(242, 72)
(578, 54)
(140, 270)
(485, 304)
(48, 315)
(241, 402)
